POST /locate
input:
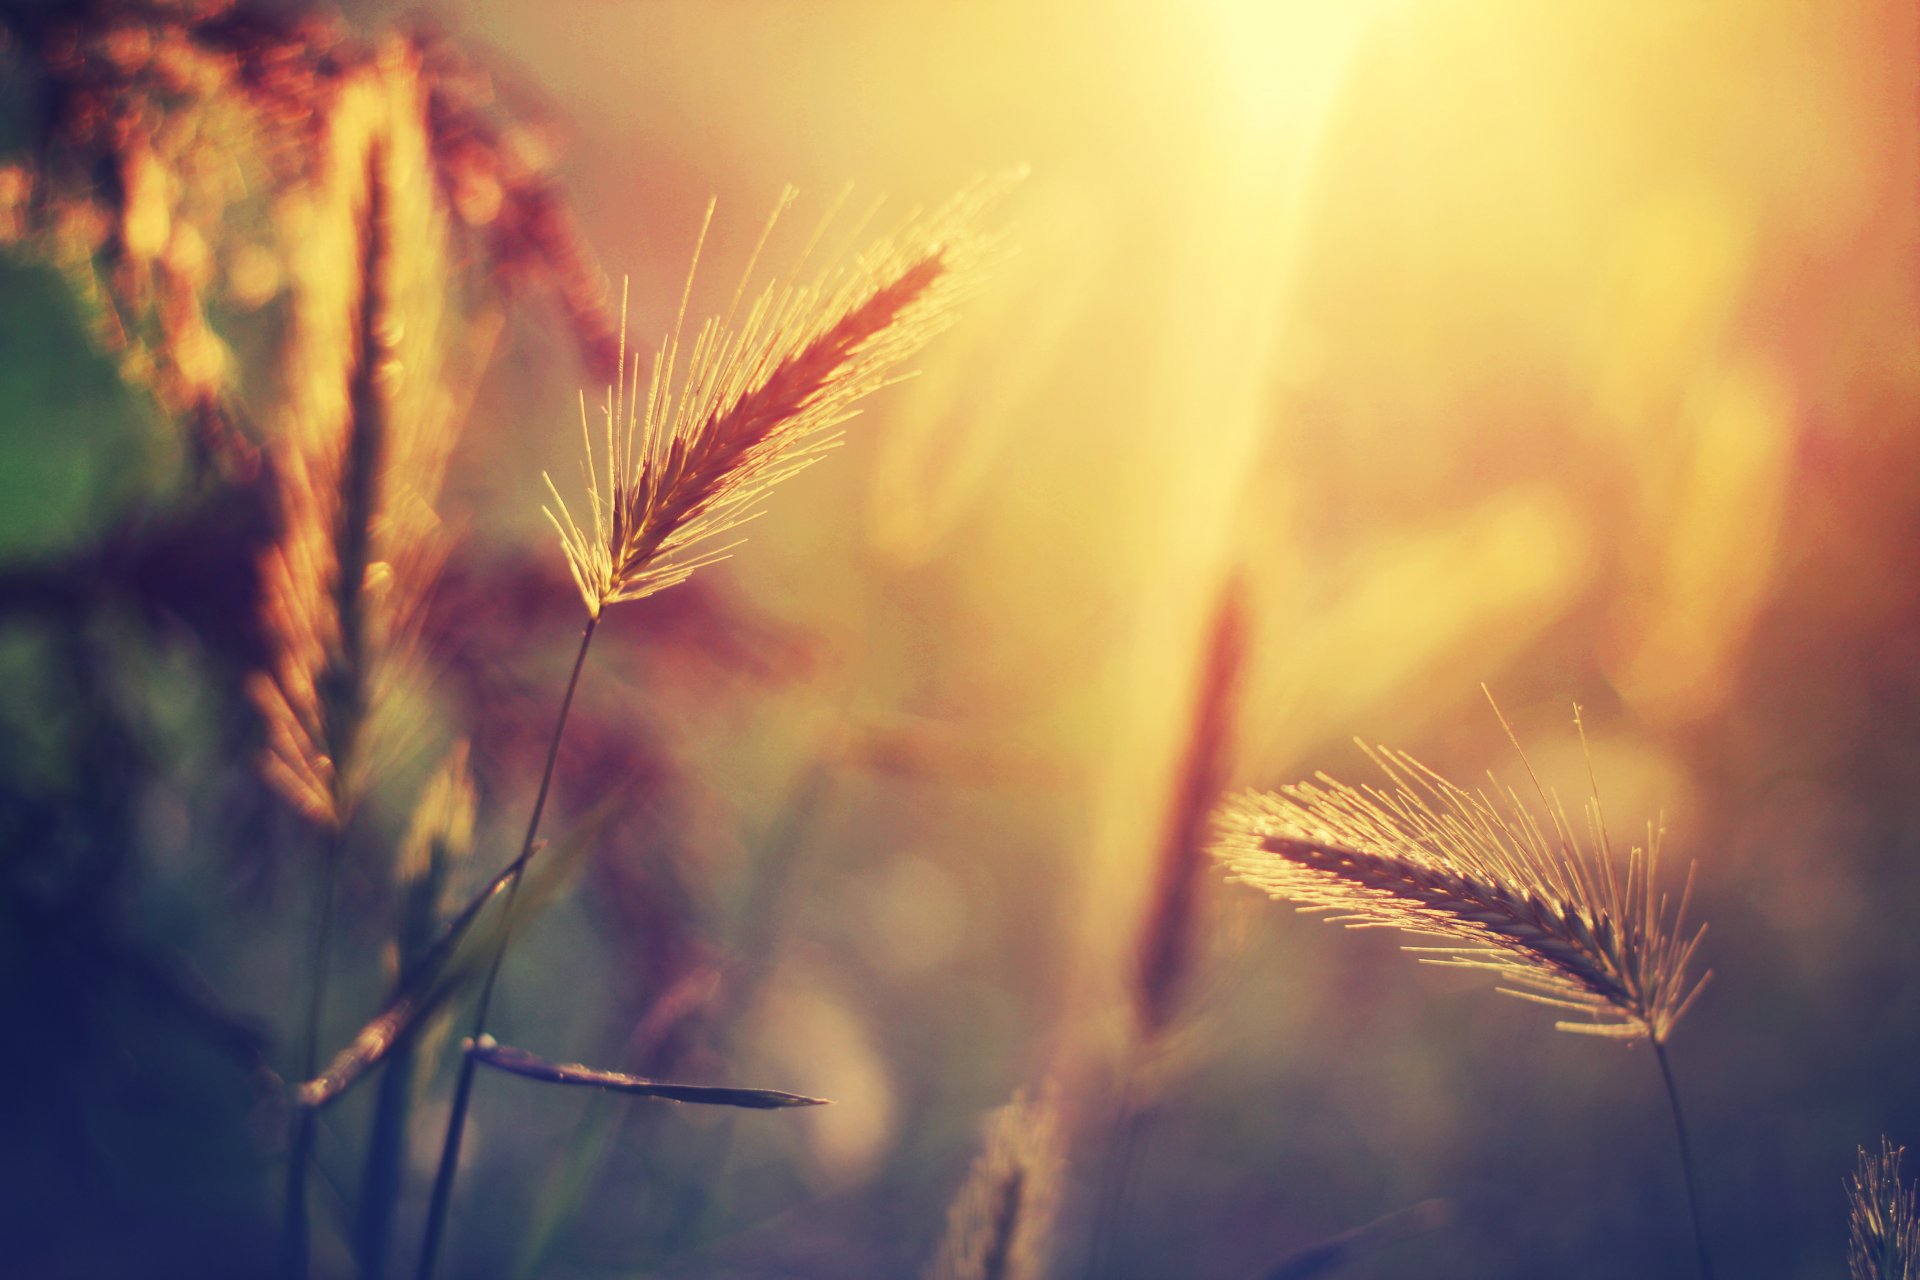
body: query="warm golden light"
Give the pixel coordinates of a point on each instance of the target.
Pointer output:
(1330, 363)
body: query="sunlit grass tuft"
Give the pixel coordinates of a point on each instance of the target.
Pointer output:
(686, 460)
(1548, 911)
(1884, 1226)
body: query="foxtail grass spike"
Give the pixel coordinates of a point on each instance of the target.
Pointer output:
(365, 445)
(316, 697)
(1548, 912)
(688, 454)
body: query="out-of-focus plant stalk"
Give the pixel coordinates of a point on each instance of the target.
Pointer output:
(1164, 954)
(441, 833)
(340, 676)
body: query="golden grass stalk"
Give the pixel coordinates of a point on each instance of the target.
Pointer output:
(316, 695)
(686, 461)
(313, 578)
(1884, 1235)
(754, 405)
(365, 446)
(1000, 1226)
(1550, 913)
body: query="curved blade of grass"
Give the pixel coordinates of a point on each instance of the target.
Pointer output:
(456, 959)
(521, 1063)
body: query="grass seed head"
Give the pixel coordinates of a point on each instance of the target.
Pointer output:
(1884, 1241)
(688, 456)
(1547, 910)
(365, 444)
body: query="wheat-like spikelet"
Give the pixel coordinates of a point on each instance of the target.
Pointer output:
(1884, 1241)
(366, 444)
(1000, 1226)
(1547, 912)
(754, 404)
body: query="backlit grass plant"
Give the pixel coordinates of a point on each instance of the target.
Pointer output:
(1545, 906)
(743, 408)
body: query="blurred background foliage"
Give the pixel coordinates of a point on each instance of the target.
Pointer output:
(1573, 350)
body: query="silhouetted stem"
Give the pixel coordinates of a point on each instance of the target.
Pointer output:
(463, 1089)
(386, 1158)
(1686, 1162)
(295, 1232)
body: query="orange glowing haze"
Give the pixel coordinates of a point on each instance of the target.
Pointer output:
(1481, 334)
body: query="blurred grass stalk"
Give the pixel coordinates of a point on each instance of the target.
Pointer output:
(441, 835)
(1164, 956)
(322, 768)
(367, 438)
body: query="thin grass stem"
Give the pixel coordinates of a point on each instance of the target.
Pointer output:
(1686, 1162)
(463, 1090)
(295, 1230)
